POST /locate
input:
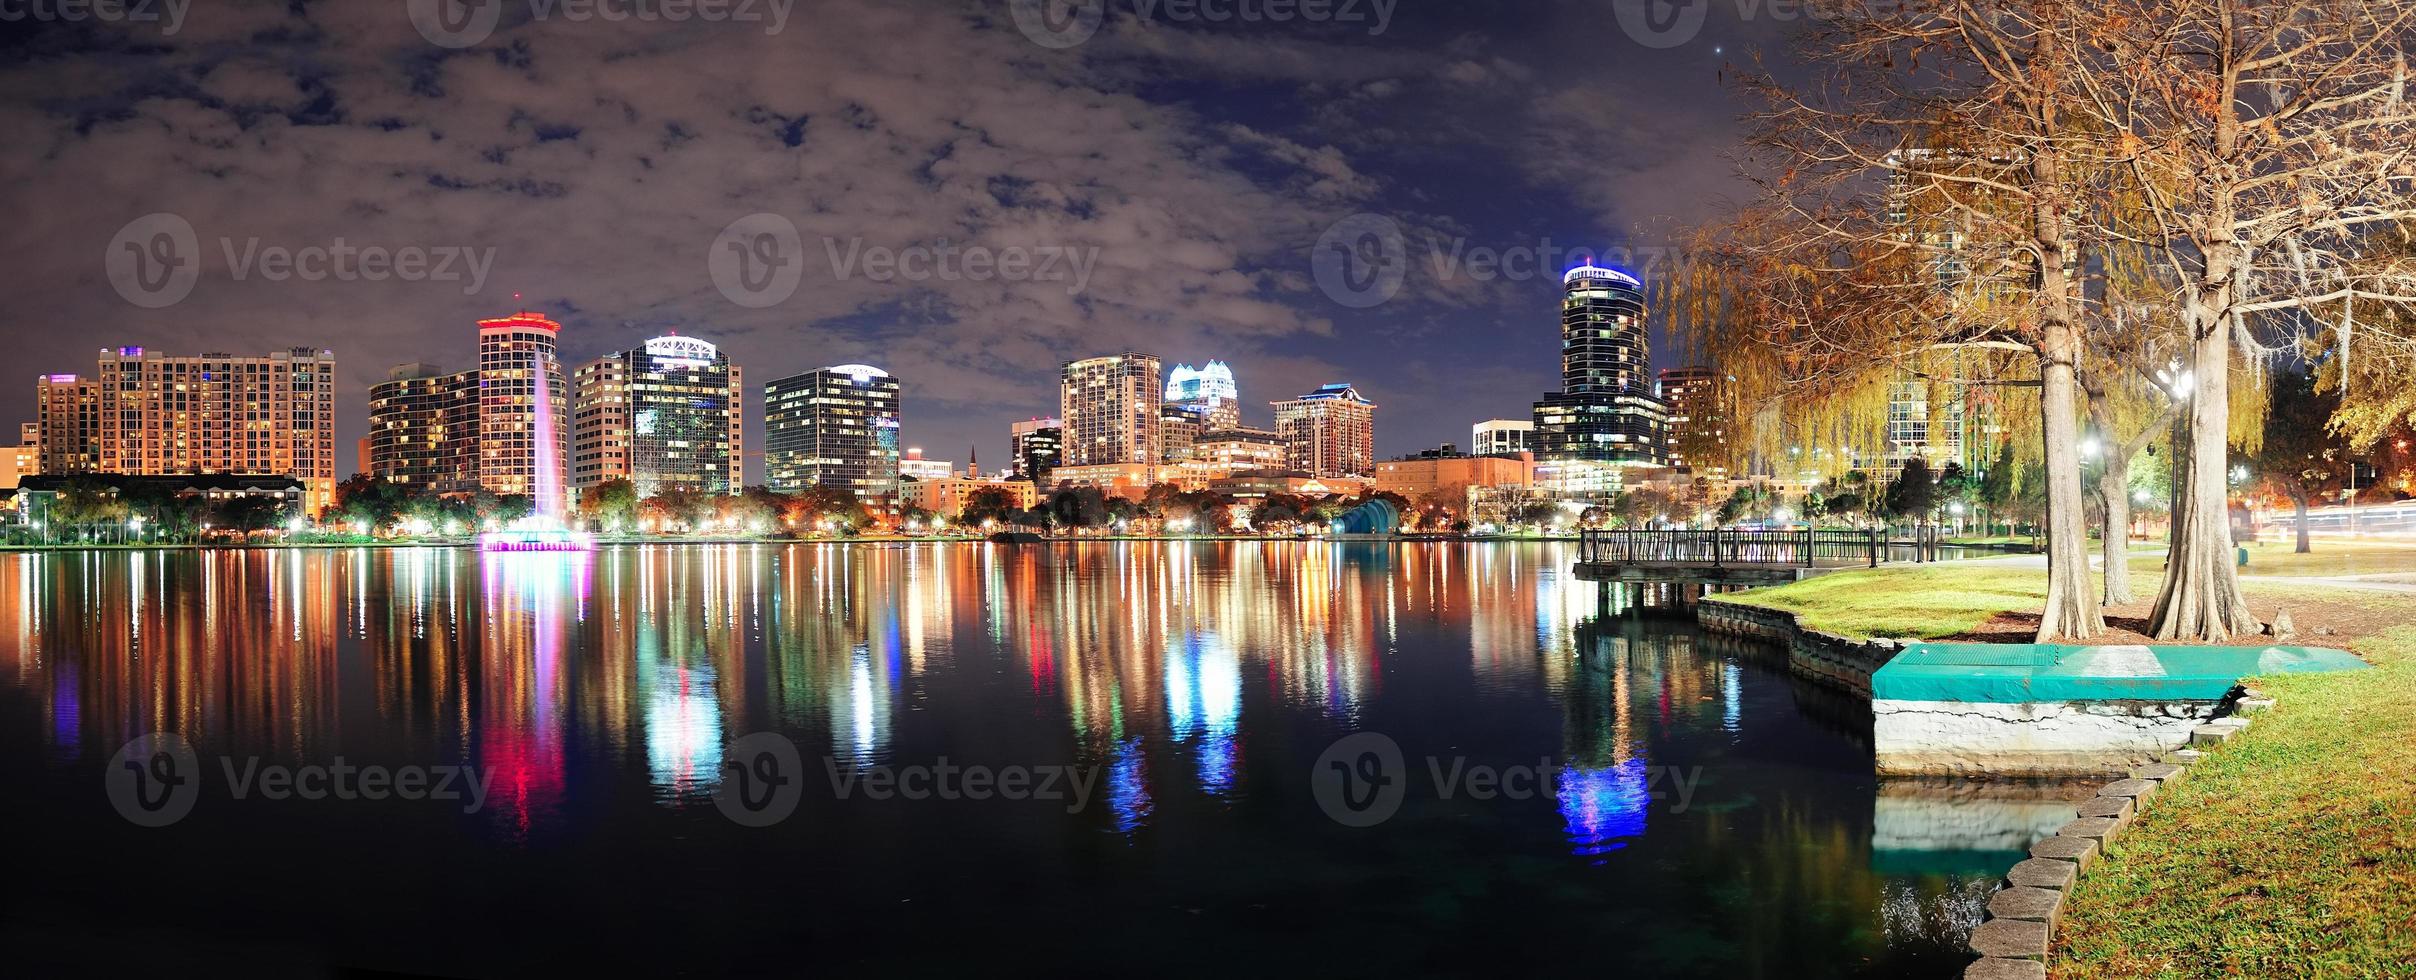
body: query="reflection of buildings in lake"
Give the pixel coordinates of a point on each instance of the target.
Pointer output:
(531, 605)
(235, 651)
(1203, 703)
(835, 650)
(1626, 677)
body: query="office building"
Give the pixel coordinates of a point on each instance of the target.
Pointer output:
(1111, 410)
(1494, 437)
(1038, 446)
(946, 495)
(666, 415)
(836, 427)
(1207, 394)
(1605, 410)
(1328, 433)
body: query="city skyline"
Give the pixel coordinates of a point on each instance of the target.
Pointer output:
(609, 219)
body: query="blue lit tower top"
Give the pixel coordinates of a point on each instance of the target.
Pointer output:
(1605, 410)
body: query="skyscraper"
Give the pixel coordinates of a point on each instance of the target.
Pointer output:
(1330, 432)
(1207, 393)
(1039, 446)
(502, 427)
(150, 414)
(665, 415)
(1605, 410)
(835, 427)
(1698, 431)
(523, 410)
(1111, 410)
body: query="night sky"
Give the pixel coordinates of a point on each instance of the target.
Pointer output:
(1168, 180)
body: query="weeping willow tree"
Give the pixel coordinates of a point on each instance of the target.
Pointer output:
(1920, 200)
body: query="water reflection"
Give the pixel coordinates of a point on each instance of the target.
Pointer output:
(1199, 679)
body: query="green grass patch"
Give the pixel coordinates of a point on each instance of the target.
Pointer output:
(1921, 603)
(2290, 852)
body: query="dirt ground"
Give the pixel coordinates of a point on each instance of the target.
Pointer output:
(2322, 622)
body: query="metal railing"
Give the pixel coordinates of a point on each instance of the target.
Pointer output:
(1803, 548)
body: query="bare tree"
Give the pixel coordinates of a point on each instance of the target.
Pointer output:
(2266, 140)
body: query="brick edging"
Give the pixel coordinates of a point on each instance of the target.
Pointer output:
(2019, 933)
(1838, 661)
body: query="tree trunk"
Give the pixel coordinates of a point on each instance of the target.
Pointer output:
(2113, 490)
(2069, 613)
(2298, 502)
(2201, 598)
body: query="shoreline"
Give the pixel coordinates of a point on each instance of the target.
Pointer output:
(604, 543)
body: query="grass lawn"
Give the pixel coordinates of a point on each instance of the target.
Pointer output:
(2290, 852)
(1917, 601)
(2331, 556)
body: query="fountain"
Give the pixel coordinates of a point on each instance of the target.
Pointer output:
(543, 529)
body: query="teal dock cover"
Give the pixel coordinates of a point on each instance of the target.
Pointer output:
(2014, 673)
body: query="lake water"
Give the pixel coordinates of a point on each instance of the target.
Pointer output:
(1541, 774)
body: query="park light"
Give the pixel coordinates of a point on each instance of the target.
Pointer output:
(2175, 381)
(2090, 447)
(2140, 496)
(297, 526)
(1955, 508)
(1782, 515)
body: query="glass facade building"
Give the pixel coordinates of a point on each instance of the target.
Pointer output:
(1605, 410)
(836, 427)
(667, 415)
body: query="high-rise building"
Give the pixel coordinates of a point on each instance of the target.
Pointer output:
(836, 427)
(666, 415)
(523, 410)
(1207, 393)
(423, 428)
(1330, 432)
(157, 415)
(1498, 437)
(502, 427)
(67, 412)
(1605, 410)
(1698, 429)
(1111, 410)
(1039, 446)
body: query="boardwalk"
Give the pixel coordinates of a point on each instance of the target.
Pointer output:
(1637, 555)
